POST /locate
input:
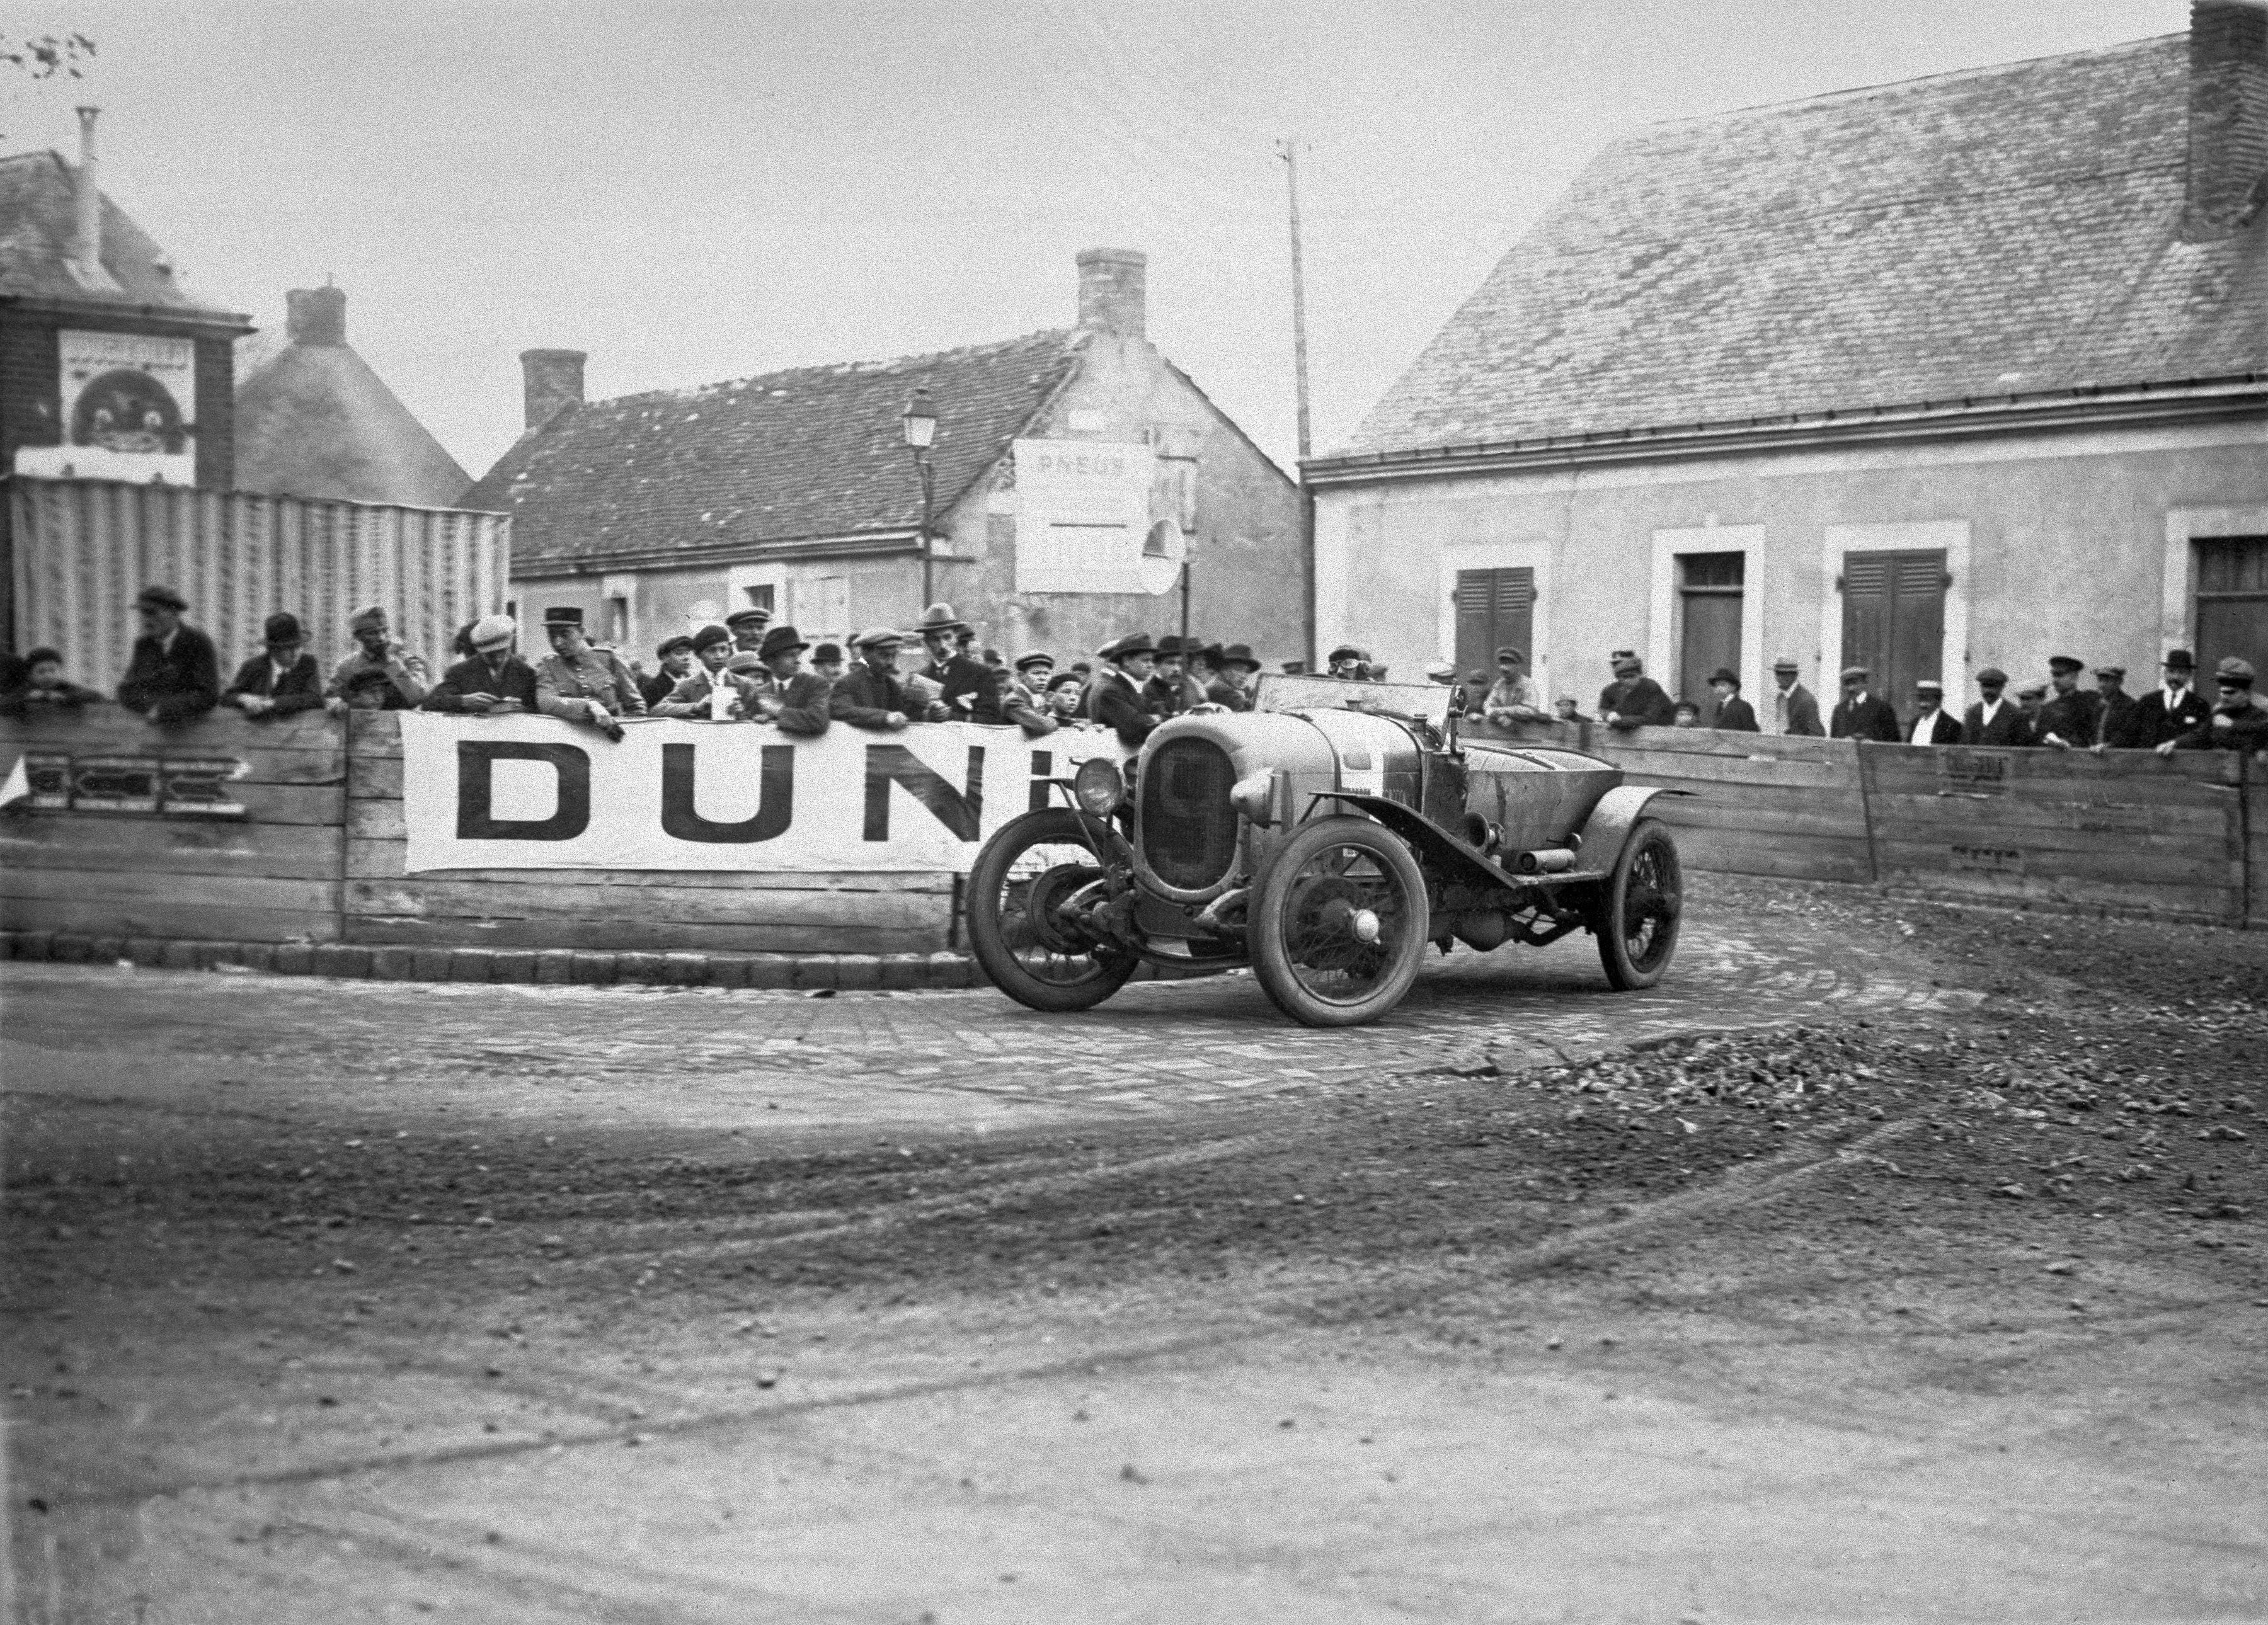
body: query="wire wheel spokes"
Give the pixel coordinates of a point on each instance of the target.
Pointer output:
(1037, 906)
(1346, 917)
(1653, 898)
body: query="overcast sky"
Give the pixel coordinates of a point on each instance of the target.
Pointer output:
(697, 192)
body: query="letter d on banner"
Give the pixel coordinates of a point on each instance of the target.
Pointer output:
(475, 763)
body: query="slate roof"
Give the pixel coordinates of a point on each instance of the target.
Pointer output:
(809, 452)
(2006, 230)
(38, 217)
(316, 421)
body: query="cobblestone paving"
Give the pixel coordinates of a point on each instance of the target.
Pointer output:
(1155, 1046)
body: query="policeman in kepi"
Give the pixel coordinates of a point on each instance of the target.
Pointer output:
(581, 684)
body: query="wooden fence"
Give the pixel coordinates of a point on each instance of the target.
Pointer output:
(292, 830)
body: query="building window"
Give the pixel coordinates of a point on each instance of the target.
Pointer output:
(618, 623)
(1494, 607)
(823, 607)
(1711, 590)
(2231, 610)
(760, 596)
(1893, 617)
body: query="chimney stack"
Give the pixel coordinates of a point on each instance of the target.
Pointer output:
(316, 315)
(554, 378)
(2228, 117)
(1111, 291)
(86, 246)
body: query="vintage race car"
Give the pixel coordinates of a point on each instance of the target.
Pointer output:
(1323, 838)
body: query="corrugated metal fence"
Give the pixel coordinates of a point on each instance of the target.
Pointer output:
(84, 547)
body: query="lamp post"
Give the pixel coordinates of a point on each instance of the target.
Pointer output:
(920, 423)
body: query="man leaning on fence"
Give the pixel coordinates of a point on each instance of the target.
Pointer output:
(494, 681)
(174, 674)
(2238, 720)
(2175, 707)
(380, 675)
(581, 684)
(785, 694)
(1932, 723)
(2069, 718)
(871, 694)
(1860, 714)
(282, 678)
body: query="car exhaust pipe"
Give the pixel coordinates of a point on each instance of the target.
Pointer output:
(1546, 861)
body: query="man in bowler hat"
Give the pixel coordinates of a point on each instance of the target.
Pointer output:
(174, 674)
(2175, 707)
(1993, 720)
(1860, 714)
(1734, 714)
(280, 679)
(1234, 670)
(788, 695)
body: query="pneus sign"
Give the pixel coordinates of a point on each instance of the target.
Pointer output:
(530, 792)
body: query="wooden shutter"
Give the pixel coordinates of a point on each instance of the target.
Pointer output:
(1894, 619)
(1494, 607)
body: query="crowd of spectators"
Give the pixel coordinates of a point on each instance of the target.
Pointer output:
(2056, 714)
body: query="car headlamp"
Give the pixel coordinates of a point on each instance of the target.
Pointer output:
(1099, 785)
(1253, 795)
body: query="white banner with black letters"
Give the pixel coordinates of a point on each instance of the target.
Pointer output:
(533, 792)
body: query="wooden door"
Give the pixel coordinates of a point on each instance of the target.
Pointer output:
(1494, 607)
(2232, 604)
(1710, 601)
(1893, 620)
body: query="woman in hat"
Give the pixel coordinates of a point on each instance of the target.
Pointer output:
(280, 679)
(493, 681)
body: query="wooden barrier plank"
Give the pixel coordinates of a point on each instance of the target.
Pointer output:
(124, 887)
(308, 748)
(655, 900)
(382, 860)
(2178, 903)
(2204, 820)
(164, 846)
(291, 803)
(631, 934)
(1763, 774)
(374, 778)
(2137, 868)
(1685, 812)
(156, 917)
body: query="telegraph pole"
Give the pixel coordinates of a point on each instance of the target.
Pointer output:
(1288, 150)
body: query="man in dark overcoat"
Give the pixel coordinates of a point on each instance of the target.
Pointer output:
(871, 694)
(1634, 700)
(494, 682)
(1734, 714)
(2069, 718)
(1993, 720)
(1932, 723)
(1117, 699)
(174, 674)
(1860, 714)
(794, 699)
(2175, 707)
(2238, 720)
(963, 681)
(280, 679)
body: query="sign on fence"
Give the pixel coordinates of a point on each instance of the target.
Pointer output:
(532, 792)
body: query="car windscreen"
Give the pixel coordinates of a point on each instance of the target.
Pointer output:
(1426, 702)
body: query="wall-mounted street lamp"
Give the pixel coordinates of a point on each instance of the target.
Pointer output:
(919, 420)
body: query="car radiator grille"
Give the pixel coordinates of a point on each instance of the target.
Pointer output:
(1189, 828)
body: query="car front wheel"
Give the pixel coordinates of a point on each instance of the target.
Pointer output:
(1338, 924)
(1027, 895)
(1636, 914)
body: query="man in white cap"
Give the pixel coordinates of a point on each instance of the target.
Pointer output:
(1931, 724)
(495, 682)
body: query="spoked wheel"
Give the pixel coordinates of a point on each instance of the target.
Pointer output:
(1638, 907)
(1338, 927)
(1024, 899)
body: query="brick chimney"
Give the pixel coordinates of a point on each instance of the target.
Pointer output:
(554, 380)
(316, 315)
(1110, 290)
(2228, 117)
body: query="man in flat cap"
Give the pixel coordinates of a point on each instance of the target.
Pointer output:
(1117, 699)
(579, 684)
(1029, 682)
(871, 694)
(2068, 718)
(1512, 696)
(494, 681)
(283, 678)
(1233, 670)
(1993, 720)
(674, 659)
(174, 673)
(960, 681)
(379, 674)
(1860, 714)
(697, 693)
(1795, 710)
(1734, 714)
(747, 625)
(2175, 707)
(2118, 724)
(2238, 720)
(1634, 700)
(1932, 723)
(2031, 700)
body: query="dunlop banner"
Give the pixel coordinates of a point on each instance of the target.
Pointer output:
(533, 792)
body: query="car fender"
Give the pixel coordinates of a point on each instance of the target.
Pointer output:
(1611, 823)
(1450, 854)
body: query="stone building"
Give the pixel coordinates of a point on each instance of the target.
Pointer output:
(1967, 369)
(1071, 466)
(314, 419)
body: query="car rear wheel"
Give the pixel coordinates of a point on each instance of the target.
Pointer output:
(1023, 907)
(1636, 917)
(1338, 924)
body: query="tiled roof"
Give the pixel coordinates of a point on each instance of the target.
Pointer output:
(316, 421)
(38, 218)
(814, 451)
(2008, 230)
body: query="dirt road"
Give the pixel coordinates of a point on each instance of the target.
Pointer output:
(1910, 1266)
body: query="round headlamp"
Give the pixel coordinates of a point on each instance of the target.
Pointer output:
(1099, 785)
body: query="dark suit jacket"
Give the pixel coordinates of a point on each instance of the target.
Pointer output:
(1118, 705)
(1222, 692)
(180, 684)
(1803, 714)
(804, 704)
(655, 686)
(300, 690)
(1870, 718)
(1639, 702)
(2071, 718)
(2155, 723)
(2008, 727)
(1944, 732)
(960, 676)
(2248, 731)
(1736, 716)
(516, 682)
(865, 697)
